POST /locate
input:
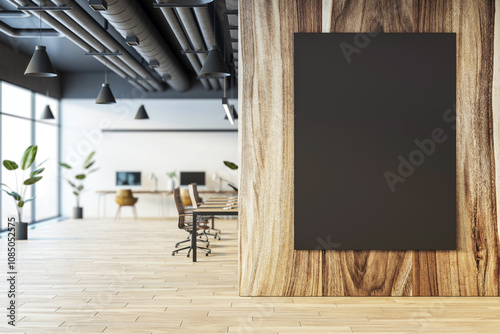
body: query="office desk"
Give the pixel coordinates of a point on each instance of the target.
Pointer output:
(220, 209)
(163, 196)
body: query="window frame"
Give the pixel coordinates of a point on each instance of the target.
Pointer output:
(33, 120)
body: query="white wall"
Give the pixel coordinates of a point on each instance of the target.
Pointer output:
(148, 152)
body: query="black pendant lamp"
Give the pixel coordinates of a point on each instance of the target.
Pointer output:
(40, 64)
(105, 95)
(47, 113)
(214, 66)
(141, 113)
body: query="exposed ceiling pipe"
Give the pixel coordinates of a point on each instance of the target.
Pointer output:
(206, 27)
(27, 33)
(128, 17)
(128, 59)
(66, 18)
(101, 36)
(9, 14)
(183, 41)
(187, 18)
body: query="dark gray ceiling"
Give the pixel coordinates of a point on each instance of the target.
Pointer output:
(65, 55)
(69, 59)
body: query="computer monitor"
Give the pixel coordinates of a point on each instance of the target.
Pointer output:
(192, 177)
(128, 178)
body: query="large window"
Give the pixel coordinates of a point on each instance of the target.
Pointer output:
(20, 128)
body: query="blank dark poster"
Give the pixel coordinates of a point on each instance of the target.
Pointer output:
(375, 141)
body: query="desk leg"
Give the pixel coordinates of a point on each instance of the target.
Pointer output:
(104, 208)
(194, 236)
(99, 206)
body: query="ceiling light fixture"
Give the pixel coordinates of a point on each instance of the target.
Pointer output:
(98, 5)
(227, 109)
(105, 94)
(214, 66)
(141, 113)
(40, 64)
(233, 111)
(47, 113)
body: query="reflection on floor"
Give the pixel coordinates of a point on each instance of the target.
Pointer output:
(107, 276)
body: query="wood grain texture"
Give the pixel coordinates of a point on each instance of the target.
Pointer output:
(496, 109)
(115, 276)
(268, 263)
(365, 273)
(473, 269)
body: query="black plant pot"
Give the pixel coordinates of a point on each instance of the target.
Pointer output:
(77, 213)
(21, 231)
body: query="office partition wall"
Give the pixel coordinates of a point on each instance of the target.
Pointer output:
(269, 265)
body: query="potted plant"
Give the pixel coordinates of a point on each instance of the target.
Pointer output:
(231, 166)
(19, 194)
(171, 180)
(77, 184)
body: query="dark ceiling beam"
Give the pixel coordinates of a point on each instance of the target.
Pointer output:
(9, 14)
(83, 85)
(27, 33)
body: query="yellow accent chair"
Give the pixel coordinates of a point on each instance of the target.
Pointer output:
(124, 197)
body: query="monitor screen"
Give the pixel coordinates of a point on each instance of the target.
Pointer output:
(128, 178)
(192, 177)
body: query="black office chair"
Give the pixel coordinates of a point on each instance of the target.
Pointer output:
(196, 201)
(187, 225)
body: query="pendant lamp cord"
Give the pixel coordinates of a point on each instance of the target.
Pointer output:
(41, 13)
(215, 41)
(105, 75)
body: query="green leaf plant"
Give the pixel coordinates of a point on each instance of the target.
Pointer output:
(22, 183)
(79, 176)
(231, 166)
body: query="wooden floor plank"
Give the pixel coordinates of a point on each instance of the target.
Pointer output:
(143, 289)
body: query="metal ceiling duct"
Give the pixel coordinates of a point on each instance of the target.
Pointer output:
(207, 28)
(128, 18)
(189, 22)
(183, 41)
(128, 61)
(85, 27)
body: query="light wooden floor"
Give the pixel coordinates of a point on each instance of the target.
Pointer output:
(119, 277)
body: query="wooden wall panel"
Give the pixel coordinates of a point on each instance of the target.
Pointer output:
(268, 264)
(379, 273)
(473, 270)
